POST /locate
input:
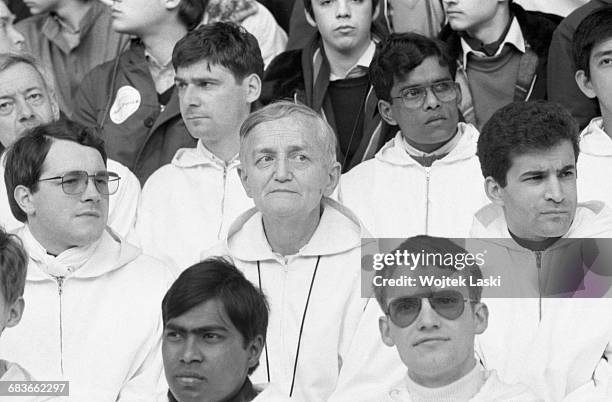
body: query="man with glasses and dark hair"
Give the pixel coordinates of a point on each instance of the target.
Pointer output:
(28, 99)
(434, 328)
(93, 299)
(426, 179)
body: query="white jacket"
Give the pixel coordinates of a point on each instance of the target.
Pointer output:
(100, 328)
(121, 209)
(560, 348)
(335, 305)
(493, 390)
(14, 372)
(395, 196)
(595, 164)
(187, 206)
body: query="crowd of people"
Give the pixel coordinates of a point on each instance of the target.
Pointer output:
(194, 187)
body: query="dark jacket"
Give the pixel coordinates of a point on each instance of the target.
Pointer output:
(148, 137)
(537, 29)
(292, 75)
(562, 86)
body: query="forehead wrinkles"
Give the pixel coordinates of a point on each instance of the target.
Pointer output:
(20, 78)
(281, 133)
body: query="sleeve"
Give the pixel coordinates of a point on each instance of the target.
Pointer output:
(270, 36)
(147, 381)
(562, 87)
(85, 100)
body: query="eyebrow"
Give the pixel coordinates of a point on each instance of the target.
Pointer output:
(195, 80)
(602, 53)
(197, 330)
(267, 150)
(536, 172)
(436, 81)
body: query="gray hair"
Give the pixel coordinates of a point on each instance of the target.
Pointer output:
(300, 113)
(8, 60)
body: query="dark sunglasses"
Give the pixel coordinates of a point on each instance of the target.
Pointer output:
(449, 304)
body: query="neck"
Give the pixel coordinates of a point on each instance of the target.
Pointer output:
(287, 236)
(50, 245)
(160, 42)
(225, 148)
(490, 31)
(341, 62)
(72, 12)
(436, 380)
(607, 122)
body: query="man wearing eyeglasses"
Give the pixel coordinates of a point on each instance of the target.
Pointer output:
(93, 317)
(28, 99)
(426, 179)
(433, 330)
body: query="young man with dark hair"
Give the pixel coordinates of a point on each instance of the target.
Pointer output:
(502, 53)
(561, 68)
(425, 180)
(215, 324)
(83, 282)
(528, 153)
(434, 328)
(592, 48)
(132, 99)
(28, 99)
(329, 74)
(188, 205)
(70, 37)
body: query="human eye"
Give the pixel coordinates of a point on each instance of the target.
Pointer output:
(34, 97)
(443, 86)
(180, 85)
(605, 61)
(212, 337)
(406, 306)
(6, 107)
(71, 179)
(568, 173)
(264, 160)
(534, 178)
(412, 93)
(324, 2)
(300, 157)
(172, 335)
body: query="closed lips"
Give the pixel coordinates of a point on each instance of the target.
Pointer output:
(425, 340)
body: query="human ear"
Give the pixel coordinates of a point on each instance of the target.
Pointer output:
(254, 349)
(494, 191)
(23, 197)
(15, 312)
(481, 317)
(385, 331)
(584, 83)
(384, 107)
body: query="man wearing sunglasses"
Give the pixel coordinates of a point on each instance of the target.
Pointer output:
(433, 330)
(560, 347)
(426, 179)
(93, 317)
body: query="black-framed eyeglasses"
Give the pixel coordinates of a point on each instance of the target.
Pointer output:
(75, 182)
(414, 97)
(449, 304)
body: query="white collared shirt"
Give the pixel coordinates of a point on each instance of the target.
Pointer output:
(360, 68)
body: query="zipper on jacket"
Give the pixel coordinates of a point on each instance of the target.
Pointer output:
(427, 173)
(60, 291)
(222, 202)
(539, 266)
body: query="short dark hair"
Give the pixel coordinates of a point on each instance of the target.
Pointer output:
(594, 28)
(218, 279)
(523, 127)
(433, 245)
(308, 7)
(191, 12)
(220, 43)
(25, 158)
(13, 266)
(399, 54)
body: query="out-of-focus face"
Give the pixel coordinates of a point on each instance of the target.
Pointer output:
(471, 15)
(344, 24)
(213, 104)
(61, 221)
(11, 40)
(434, 122)
(285, 169)
(436, 350)
(136, 17)
(539, 199)
(25, 102)
(599, 82)
(42, 6)
(205, 356)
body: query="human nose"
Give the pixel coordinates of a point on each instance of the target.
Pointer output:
(24, 110)
(431, 100)
(554, 190)
(342, 9)
(190, 353)
(190, 96)
(91, 192)
(17, 38)
(427, 318)
(283, 170)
